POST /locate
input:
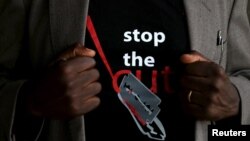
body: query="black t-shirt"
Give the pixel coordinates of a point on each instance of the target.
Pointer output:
(138, 46)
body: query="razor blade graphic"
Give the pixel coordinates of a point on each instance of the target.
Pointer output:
(143, 106)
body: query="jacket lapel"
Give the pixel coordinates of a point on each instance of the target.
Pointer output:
(67, 26)
(202, 26)
(68, 21)
(205, 18)
(203, 37)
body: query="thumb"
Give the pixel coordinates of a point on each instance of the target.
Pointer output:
(77, 50)
(193, 57)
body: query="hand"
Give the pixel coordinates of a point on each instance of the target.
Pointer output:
(213, 96)
(70, 86)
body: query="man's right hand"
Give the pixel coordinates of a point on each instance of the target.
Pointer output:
(69, 87)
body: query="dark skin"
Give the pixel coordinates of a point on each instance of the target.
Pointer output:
(213, 97)
(69, 87)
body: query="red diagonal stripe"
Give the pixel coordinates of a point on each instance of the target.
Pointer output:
(92, 31)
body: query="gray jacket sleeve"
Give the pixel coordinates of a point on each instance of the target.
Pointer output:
(238, 55)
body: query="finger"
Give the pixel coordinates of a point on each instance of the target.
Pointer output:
(89, 105)
(61, 110)
(196, 111)
(81, 107)
(77, 50)
(202, 69)
(201, 112)
(83, 79)
(210, 112)
(197, 98)
(90, 91)
(193, 57)
(195, 83)
(77, 65)
(83, 51)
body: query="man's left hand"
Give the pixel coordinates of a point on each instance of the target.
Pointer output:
(207, 92)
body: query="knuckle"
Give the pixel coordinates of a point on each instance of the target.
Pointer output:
(220, 72)
(69, 85)
(213, 113)
(65, 69)
(92, 89)
(213, 98)
(217, 84)
(89, 106)
(95, 73)
(209, 114)
(73, 109)
(89, 60)
(97, 86)
(93, 61)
